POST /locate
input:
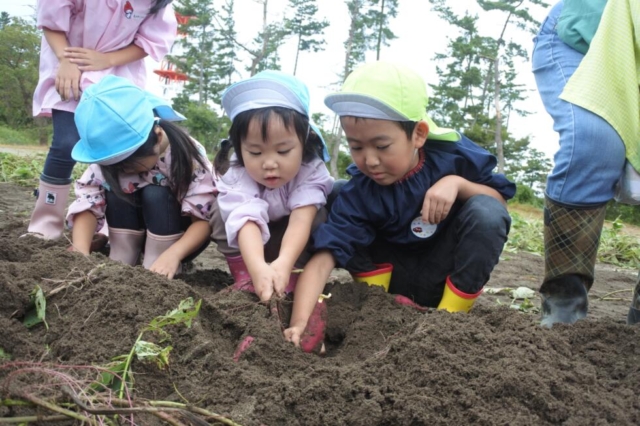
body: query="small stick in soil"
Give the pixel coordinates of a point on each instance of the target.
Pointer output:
(68, 283)
(34, 419)
(56, 409)
(172, 406)
(606, 296)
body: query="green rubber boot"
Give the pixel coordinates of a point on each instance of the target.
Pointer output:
(571, 238)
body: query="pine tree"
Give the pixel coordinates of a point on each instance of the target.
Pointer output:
(477, 91)
(264, 52)
(225, 55)
(378, 17)
(196, 60)
(208, 59)
(355, 48)
(305, 27)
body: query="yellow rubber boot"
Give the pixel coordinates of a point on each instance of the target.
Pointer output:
(380, 277)
(454, 300)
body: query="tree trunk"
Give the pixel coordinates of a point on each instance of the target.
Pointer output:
(201, 97)
(259, 56)
(295, 65)
(498, 135)
(335, 149)
(381, 24)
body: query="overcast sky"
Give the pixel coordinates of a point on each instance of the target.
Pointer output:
(420, 34)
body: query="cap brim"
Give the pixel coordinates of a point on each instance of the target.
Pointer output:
(325, 151)
(163, 109)
(440, 133)
(260, 93)
(358, 105)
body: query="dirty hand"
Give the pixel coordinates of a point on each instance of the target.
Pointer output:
(439, 199)
(87, 59)
(68, 81)
(166, 265)
(282, 270)
(264, 279)
(293, 335)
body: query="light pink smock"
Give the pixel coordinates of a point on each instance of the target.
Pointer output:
(105, 26)
(241, 199)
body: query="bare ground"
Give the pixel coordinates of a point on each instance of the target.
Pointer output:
(385, 364)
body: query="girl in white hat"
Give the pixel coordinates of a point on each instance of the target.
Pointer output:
(274, 186)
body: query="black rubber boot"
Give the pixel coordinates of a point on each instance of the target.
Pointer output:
(634, 310)
(564, 300)
(571, 238)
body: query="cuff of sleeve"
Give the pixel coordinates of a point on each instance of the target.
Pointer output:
(233, 228)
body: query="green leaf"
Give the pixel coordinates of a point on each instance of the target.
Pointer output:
(185, 313)
(110, 379)
(38, 313)
(148, 351)
(4, 356)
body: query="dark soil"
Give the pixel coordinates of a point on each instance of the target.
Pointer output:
(385, 364)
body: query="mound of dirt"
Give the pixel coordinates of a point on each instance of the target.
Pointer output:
(385, 364)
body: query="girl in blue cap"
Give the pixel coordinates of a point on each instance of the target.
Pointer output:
(274, 185)
(148, 178)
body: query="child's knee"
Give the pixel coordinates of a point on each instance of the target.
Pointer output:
(487, 213)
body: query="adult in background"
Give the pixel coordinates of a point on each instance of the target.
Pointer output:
(591, 155)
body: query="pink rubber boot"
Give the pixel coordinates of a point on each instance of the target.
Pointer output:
(47, 218)
(240, 274)
(293, 280)
(126, 245)
(156, 245)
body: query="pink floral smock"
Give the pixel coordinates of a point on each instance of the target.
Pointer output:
(90, 189)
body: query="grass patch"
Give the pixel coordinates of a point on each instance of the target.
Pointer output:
(526, 234)
(26, 136)
(617, 246)
(25, 169)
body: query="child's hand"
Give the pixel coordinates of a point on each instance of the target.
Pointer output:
(293, 334)
(439, 199)
(283, 274)
(264, 279)
(68, 81)
(87, 59)
(166, 265)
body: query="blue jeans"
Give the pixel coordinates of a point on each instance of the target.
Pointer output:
(59, 164)
(153, 208)
(467, 251)
(591, 155)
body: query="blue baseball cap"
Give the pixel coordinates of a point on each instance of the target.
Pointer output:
(114, 118)
(270, 89)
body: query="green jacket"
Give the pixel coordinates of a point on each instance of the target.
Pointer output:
(579, 21)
